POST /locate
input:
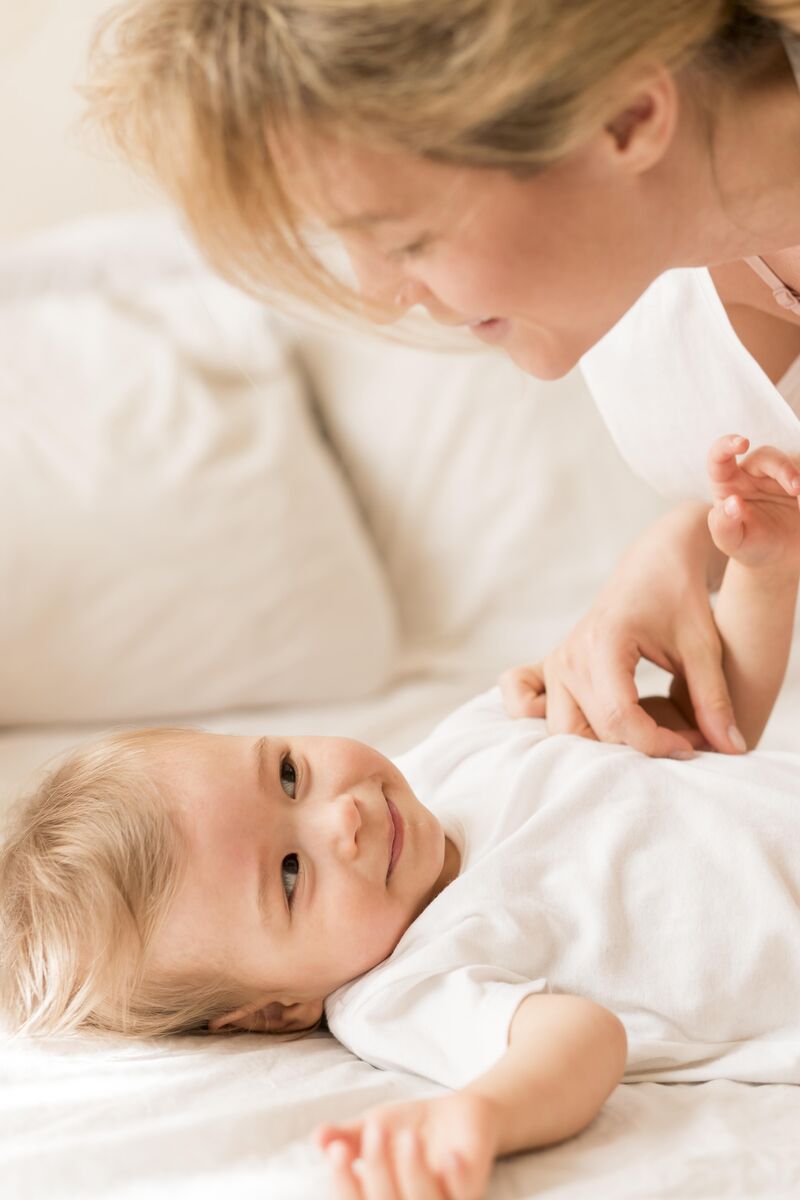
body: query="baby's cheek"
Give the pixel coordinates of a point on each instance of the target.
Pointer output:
(373, 934)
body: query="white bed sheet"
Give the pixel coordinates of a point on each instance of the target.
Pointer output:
(231, 1115)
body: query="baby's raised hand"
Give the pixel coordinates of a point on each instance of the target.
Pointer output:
(756, 513)
(434, 1149)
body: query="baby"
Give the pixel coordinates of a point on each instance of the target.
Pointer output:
(521, 918)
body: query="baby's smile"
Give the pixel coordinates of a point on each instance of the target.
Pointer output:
(292, 844)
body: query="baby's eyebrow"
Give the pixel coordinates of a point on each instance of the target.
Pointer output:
(261, 754)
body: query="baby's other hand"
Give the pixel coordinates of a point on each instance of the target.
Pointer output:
(756, 515)
(432, 1149)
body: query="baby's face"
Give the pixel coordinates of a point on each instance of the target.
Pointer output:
(288, 883)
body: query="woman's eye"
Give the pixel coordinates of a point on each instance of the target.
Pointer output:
(412, 249)
(290, 869)
(288, 776)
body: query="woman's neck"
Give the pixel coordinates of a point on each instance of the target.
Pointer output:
(734, 172)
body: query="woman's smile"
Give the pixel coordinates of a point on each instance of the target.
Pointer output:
(494, 329)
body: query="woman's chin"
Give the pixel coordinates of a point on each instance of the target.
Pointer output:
(543, 362)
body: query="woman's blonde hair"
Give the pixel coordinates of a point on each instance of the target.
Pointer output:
(205, 92)
(91, 862)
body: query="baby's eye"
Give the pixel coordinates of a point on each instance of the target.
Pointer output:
(288, 776)
(290, 871)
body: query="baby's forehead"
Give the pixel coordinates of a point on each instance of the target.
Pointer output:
(196, 758)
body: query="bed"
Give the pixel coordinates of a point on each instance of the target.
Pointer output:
(220, 516)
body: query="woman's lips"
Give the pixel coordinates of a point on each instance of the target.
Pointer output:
(396, 847)
(492, 330)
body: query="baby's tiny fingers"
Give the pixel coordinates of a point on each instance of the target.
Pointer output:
(774, 464)
(721, 460)
(414, 1177)
(726, 524)
(348, 1135)
(345, 1184)
(373, 1168)
(459, 1184)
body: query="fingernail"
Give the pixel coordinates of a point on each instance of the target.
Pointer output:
(682, 755)
(730, 505)
(736, 739)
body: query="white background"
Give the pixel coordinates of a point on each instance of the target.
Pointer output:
(51, 169)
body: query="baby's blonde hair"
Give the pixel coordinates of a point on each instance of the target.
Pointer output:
(91, 862)
(202, 93)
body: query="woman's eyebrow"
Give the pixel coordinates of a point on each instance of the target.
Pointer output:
(366, 219)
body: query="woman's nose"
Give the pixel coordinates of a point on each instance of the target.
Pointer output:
(410, 292)
(382, 284)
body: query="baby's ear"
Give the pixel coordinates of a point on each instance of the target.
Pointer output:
(270, 1016)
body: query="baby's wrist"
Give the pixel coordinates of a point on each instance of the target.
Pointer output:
(776, 577)
(493, 1112)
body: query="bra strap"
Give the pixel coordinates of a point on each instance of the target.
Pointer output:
(784, 295)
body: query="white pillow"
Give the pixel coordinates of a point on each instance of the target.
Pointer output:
(498, 503)
(176, 536)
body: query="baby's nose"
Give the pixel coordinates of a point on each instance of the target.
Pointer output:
(345, 820)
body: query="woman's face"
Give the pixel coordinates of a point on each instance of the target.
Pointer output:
(552, 261)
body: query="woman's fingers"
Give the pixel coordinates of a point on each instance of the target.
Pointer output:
(617, 716)
(711, 700)
(613, 715)
(523, 691)
(564, 714)
(629, 725)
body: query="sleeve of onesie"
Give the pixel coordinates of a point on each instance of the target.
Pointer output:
(449, 1028)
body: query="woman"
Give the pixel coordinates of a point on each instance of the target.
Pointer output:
(527, 168)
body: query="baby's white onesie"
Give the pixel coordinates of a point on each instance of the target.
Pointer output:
(667, 891)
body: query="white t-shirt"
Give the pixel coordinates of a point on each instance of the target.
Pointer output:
(672, 376)
(667, 891)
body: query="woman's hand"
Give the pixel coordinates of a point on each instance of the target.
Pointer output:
(655, 606)
(437, 1149)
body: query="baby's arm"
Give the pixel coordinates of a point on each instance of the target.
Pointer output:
(756, 522)
(565, 1055)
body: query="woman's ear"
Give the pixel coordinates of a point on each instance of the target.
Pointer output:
(271, 1016)
(640, 132)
